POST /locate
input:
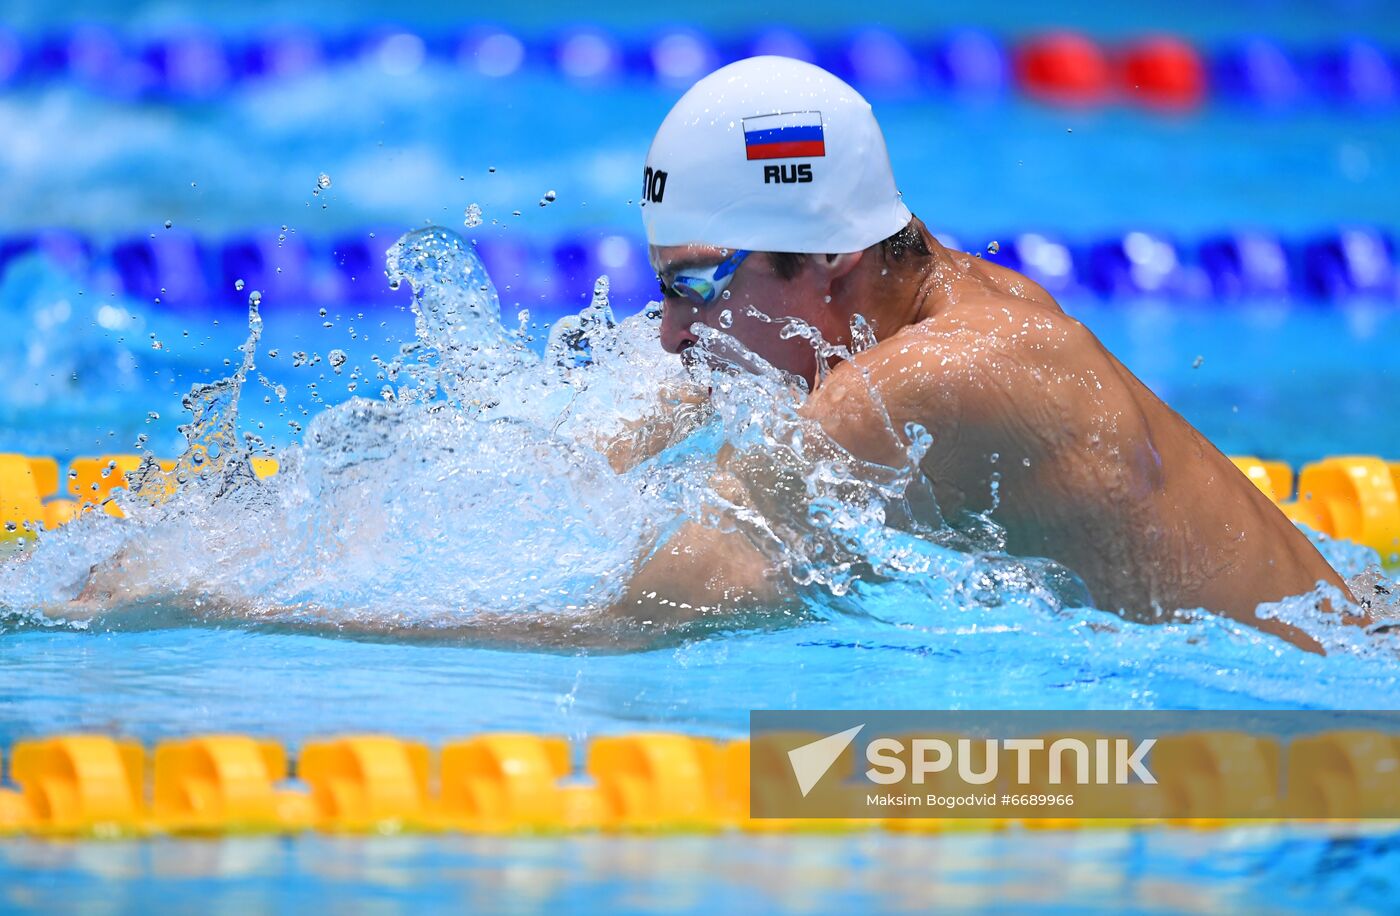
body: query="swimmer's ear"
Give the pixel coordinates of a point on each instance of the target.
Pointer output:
(838, 265)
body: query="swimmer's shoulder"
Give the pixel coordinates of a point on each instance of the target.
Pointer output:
(988, 355)
(997, 326)
(1016, 285)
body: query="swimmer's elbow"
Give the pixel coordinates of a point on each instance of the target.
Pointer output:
(702, 572)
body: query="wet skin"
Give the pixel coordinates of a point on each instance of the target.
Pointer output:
(1095, 471)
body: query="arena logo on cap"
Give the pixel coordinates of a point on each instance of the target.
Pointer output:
(653, 186)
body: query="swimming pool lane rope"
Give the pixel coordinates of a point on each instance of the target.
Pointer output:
(176, 270)
(98, 786)
(1157, 72)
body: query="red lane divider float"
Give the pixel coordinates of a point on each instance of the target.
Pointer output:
(1064, 67)
(1163, 72)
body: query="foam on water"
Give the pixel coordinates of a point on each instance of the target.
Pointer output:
(473, 497)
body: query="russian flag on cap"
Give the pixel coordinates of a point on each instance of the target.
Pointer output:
(790, 135)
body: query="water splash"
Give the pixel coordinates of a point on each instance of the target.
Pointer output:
(481, 485)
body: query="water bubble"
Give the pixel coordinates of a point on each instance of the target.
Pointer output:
(152, 415)
(254, 298)
(515, 213)
(272, 354)
(491, 168)
(726, 294)
(394, 283)
(472, 217)
(726, 318)
(1196, 363)
(993, 247)
(323, 181)
(337, 359)
(168, 224)
(550, 195)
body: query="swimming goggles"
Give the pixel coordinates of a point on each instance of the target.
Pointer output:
(703, 285)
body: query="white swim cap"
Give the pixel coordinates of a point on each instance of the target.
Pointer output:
(771, 154)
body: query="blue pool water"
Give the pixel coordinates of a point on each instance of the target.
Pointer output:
(1293, 379)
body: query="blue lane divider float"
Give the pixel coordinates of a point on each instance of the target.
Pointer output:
(1158, 71)
(183, 271)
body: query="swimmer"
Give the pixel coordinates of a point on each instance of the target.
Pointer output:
(768, 195)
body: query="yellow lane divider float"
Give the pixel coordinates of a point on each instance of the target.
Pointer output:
(92, 785)
(30, 500)
(1352, 497)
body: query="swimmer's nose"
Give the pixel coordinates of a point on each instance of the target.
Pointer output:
(676, 319)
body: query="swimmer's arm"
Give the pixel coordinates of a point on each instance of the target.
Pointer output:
(950, 385)
(703, 572)
(676, 412)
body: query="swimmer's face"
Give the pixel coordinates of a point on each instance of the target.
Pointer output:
(759, 300)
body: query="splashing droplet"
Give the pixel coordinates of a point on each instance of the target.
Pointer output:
(337, 359)
(323, 181)
(168, 224)
(254, 298)
(472, 216)
(993, 246)
(238, 285)
(726, 318)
